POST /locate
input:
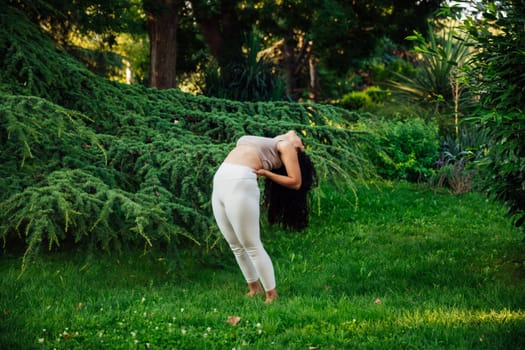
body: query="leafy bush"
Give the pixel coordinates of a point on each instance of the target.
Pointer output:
(372, 100)
(377, 95)
(498, 76)
(355, 100)
(456, 164)
(404, 149)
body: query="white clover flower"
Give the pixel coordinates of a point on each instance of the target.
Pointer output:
(143, 300)
(41, 340)
(134, 334)
(208, 329)
(258, 325)
(135, 342)
(183, 331)
(181, 309)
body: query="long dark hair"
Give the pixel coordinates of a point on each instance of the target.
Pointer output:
(286, 207)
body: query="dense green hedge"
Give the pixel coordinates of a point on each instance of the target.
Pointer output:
(90, 161)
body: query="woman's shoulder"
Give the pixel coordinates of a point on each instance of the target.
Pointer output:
(285, 146)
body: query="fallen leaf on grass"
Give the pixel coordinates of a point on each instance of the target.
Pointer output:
(233, 320)
(378, 301)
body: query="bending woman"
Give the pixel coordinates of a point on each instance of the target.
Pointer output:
(235, 200)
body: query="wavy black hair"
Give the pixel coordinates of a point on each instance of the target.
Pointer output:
(286, 207)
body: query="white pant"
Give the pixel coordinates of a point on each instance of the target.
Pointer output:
(235, 202)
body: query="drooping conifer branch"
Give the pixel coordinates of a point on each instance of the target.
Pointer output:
(90, 161)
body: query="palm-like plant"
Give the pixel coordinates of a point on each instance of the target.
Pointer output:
(439, 60)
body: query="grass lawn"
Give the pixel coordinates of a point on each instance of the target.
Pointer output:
(406, 269)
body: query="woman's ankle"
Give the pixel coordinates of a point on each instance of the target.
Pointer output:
(271, 296)
(254, 289)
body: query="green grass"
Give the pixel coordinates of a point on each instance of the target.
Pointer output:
(406, 269)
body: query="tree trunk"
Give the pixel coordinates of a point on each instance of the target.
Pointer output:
(222, 32)
(289, 68)
(296, 54)
(162, 27)
(314, 79)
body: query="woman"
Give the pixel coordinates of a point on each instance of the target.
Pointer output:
(235, 200)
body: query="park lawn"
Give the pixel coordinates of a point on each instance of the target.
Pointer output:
(403, 267)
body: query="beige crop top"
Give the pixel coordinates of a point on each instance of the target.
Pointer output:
(266, 148)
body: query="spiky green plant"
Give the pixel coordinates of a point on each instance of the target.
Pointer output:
(439, 59)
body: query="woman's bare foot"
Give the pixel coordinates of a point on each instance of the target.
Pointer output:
(254, 289)
(271, 296)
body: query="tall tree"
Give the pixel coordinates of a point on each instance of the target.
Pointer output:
(224, 32)
(334, 34)
(163, 23)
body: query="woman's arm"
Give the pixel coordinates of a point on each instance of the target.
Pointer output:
(291, 163)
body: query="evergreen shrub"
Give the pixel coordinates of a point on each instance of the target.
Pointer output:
(106, 165)
(355, 100)
(377, 95)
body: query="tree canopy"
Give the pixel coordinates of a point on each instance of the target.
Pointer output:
(314, 40)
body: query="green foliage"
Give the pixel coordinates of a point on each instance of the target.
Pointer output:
(455, 166)
(440, 59)
(377, 95)
(62, 17)
(372, 99)
(403, 149)
(101, 164)
(254, 79)
(498, 76)
(457, 156)
(356, 100)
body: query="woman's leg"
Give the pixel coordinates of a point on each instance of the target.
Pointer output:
(235, 203)
(243, 211)
(243, 260)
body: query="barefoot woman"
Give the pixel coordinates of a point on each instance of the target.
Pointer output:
(289, 175)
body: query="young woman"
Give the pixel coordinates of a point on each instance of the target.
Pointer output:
(235, 200)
